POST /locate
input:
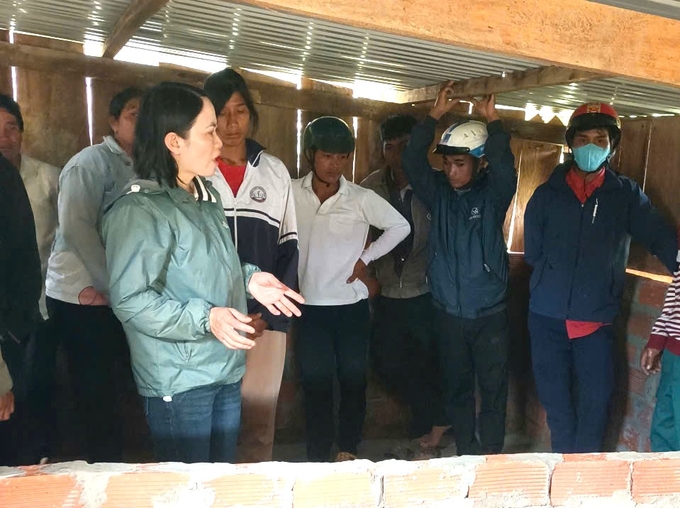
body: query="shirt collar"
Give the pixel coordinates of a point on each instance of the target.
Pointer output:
(202, 192)
(307, 183)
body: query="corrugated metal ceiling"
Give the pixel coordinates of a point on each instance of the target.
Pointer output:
(664, 8)
(272, 41)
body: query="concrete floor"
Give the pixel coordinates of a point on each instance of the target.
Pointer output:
(386, 449)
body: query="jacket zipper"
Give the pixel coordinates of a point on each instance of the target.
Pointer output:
(578, 252)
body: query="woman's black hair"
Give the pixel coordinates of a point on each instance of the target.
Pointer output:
(221, 85)
(117, 104)
(11, 106)
(167, 107)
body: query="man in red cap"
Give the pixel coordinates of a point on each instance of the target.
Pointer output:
(577, 230)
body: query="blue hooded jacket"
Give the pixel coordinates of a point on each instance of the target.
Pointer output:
(579, 251)
(468, 269)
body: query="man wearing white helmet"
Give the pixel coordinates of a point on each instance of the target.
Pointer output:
(468, 270)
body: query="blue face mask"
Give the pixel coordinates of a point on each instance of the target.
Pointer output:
(590, 157)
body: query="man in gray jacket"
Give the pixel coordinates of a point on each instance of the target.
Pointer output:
(402, 344)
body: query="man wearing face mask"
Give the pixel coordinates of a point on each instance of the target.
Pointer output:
(577, 230)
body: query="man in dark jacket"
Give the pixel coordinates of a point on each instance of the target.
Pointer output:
(468, 270)
(577, 230)
(402, 342)
(20, 286)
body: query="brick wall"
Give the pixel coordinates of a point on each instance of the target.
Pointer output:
(635, 395)
(520, 481)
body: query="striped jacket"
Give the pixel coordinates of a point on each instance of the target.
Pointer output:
(262, 221)
(666, 330)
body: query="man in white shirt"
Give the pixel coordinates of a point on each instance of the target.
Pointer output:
(334, 217)
(41, 181)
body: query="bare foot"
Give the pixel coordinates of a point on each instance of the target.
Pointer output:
(432, 439)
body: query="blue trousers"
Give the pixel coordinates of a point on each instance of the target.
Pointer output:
(665, 435)
(575, 381)
(199, 425)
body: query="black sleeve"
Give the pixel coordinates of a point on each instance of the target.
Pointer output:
(20, 275)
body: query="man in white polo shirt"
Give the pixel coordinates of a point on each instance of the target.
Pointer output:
(334, 217)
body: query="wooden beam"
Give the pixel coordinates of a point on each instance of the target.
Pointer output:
(518, 80)
(577, 34)
(134, 16)
(323, 100)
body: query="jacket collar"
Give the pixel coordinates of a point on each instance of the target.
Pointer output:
(115, 147)
(558, 178)
(253, 152)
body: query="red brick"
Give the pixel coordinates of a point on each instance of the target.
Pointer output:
(637, 380)
(249, 490)
(512, 482)
(630, 439)
(144, 489)
(633, 354)
(592, 477)
(350, 489)
(40, 491)
(651, 292)
(640, 325)
(427, 484)
(654, 477)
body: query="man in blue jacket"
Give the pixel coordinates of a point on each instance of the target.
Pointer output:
(468, 270)
(577, 231)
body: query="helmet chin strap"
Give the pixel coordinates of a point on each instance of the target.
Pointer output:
(327, 184)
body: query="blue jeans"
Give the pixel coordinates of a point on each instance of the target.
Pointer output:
(575, 381)
(199, 425)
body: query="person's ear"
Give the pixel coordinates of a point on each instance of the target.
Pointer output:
(173, 143)
(113, 124)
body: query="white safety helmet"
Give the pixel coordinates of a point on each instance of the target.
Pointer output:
(468, 136)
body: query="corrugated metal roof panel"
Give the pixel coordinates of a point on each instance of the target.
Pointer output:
(664, 8)
(268, 40)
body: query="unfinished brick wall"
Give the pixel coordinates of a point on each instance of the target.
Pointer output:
(627, 480)
(636, 393)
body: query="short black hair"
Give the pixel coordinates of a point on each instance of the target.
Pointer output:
(221, 85)
(11, 106)
(396, 126)
(120, 100)
(167, 107)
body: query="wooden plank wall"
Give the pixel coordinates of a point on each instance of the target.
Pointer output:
(650, 155)
(5, 72)
(54, 107)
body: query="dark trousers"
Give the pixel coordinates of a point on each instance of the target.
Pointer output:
(469, 347)
(575, 381)
(199, 425)
(25, 438)
(100, 373)
(332, 341)
(403, 356)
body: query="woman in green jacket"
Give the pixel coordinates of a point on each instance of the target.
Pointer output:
(183, 313)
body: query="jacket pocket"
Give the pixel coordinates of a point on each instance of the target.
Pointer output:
(184, 350)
